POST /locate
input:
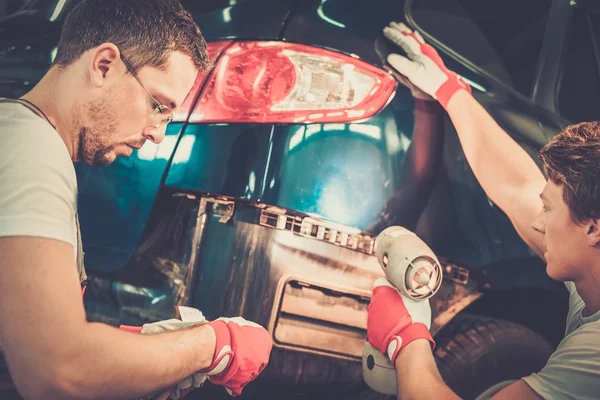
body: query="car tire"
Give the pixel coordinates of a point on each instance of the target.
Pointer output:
(473, 353)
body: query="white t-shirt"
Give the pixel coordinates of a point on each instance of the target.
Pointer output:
(38, 185)
(573, 370)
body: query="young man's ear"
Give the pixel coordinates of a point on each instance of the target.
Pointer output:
(104, 58)
(593, 232)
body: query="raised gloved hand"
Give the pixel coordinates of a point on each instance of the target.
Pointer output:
(417, 93)
(394, 320)
(423, 67)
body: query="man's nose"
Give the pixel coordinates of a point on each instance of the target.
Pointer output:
(538, 223)
(155, 134)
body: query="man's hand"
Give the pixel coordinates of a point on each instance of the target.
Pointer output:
(394, 321)
(414, 90)
(193, 381)
(242, 352)
(424, 67)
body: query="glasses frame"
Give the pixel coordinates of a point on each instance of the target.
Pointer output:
(159, 109)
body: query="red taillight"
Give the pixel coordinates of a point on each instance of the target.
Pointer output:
(277, 82)
(214, 50)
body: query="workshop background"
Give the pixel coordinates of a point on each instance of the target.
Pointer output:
(297, 149)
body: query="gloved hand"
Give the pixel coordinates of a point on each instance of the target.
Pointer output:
(242, 352)
(190, 317)
(417, 93)
(423, 67)
(394, 320)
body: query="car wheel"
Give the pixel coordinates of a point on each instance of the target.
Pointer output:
(474, 353)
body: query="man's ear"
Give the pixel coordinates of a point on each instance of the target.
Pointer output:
(105, 59)
(593, 232)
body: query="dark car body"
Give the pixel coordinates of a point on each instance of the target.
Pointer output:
(232, 217)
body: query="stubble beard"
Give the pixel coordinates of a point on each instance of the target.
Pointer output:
(94, 140)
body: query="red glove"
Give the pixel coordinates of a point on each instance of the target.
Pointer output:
(424, 67)
(394, 321)
(241, 353)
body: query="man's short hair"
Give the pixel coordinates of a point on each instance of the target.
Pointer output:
(572, 160)
(145, 31)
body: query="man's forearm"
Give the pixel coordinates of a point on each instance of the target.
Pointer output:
(499, 163)
(418, 376)
(108, 363)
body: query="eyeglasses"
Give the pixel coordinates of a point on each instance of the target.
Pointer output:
(162, 114)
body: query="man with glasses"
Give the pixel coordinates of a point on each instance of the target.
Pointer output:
(121, 69)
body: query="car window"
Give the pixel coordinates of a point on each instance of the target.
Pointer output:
(204, 6)
(503, 38)
(579, 90)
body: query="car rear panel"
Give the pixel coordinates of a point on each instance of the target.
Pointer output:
(257, 256)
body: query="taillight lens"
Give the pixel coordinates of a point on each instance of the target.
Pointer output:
(276, 82)
(214, 50)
